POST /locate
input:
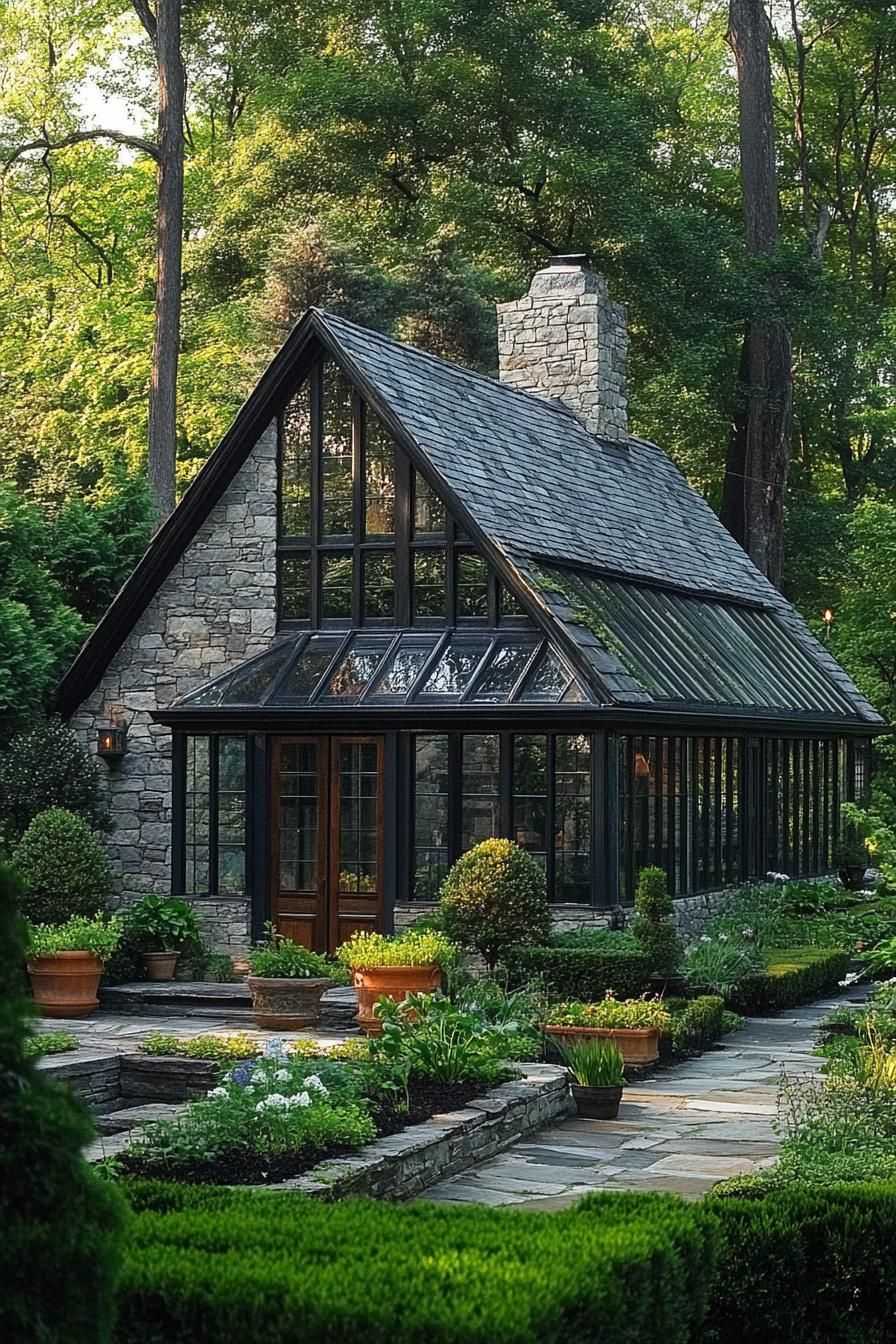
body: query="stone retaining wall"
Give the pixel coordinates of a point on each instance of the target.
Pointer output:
(403, 1165)
(94, 1075)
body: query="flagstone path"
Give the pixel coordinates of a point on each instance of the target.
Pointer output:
(680, 1130)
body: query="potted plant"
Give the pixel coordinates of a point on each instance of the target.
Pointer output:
(595, 1071)
(287, 983)
(381, 967)
(851, 860)
(65, 962)
(162, 927)
(633, 1024)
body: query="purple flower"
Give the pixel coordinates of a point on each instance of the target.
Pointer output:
(241, 1075)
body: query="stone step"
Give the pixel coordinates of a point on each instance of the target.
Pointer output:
(131, 1117)
(203, 998)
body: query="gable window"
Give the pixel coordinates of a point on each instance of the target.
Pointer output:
(363, 539)
(210, 815)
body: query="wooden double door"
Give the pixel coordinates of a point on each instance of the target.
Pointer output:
(326, 815)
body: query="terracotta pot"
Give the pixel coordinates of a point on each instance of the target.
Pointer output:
(393, 982)
(284, 1004)
(596, 1103)
(66, 984)
(160, 965)
(638, 1045)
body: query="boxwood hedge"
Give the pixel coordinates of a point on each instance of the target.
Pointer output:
(581, 973)
(219, 1266)
(794, 975)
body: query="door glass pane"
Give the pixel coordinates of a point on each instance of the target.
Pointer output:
(429, 584)
(530, 794)
(336, 585)
(358, 817)
(379, 584)
(356, 669)
(379, 483)
(298, 819)
(336, 462)
(430, 815)
(295, 483)
(481, 781)
(308, 669)
(454, 671)
(572, 829)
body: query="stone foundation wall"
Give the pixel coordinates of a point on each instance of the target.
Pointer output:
(226, 922)
(216, 608)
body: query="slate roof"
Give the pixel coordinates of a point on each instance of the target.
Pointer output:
(536, 490)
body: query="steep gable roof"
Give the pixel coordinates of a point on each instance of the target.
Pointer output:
(536, 490)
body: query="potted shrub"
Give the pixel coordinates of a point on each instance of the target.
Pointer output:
(851, 861)
(634, 1024)
(494, 897)
(595, 1071)
(409, 963)
(287, 983)
(162, 927)
(65, 962)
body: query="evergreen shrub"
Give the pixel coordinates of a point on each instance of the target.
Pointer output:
(793, 975)
(584, 973)
(221, 1267)
(653, 926)
(64, 868)
(62, 1225)
(43, 768)
(495, 896)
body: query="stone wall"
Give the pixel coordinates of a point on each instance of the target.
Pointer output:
(566, 339)
(216, 608)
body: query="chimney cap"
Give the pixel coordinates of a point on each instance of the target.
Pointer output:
(579, 260)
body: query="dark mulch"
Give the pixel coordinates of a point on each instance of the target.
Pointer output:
(242, 1168)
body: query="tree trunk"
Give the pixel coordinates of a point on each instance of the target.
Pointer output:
(759, 449)
(169, 253)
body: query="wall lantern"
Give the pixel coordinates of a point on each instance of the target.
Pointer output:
(828, 617)
(642, 766)
(111, 741)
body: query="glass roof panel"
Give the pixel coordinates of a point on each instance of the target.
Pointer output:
(455, 668)
(696, 650)
(502, 672)
(402, 668)
(250, 685)
(305, 674)
(356, 668)
(546, 682)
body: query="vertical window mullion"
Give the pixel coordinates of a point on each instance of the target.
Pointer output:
(730, 809)
(659, 775)
(213, 816)
(717, 879)
(706, 811)
(403, 486)
(179, 814)
(317, 439)
(450, 572)
(786, 847)
(358, 514)
(455, 795)
(550, 839)
(505, 785)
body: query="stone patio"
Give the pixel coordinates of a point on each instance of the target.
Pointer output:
(682, 1130)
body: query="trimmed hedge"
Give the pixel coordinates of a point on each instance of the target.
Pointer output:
(809, 1266)
(795, 975)
(222, 1267)
(582, 974)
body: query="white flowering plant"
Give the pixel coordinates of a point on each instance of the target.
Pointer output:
(270, 1106)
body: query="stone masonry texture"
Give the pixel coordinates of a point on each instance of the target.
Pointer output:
(568, 340)
(216, 608)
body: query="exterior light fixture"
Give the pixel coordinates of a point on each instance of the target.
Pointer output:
(828, 617)
(642, 766)
(111, 741)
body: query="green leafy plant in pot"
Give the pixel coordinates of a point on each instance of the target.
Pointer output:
(65, 962)
(412, 962)
(163, 927)
(287, 983)
(851, 861)
(596, 1077)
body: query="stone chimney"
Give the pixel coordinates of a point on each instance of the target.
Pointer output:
(568, 340)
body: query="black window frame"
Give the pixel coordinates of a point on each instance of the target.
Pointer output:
(403, 544)
(179, 748)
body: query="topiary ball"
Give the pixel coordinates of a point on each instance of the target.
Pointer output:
(63, 867)
(495, 896)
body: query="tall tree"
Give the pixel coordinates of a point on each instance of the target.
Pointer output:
(759, 448)
(162, 26)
